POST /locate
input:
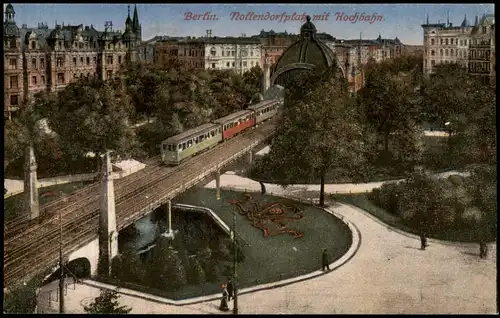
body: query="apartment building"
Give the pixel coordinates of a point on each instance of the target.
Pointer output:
(38, 59)
(481, 60)
(273, 44)
(166, 53)
(237, 54)
(445, 43)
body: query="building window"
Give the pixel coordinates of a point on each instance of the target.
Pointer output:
(88, 60)
(233, 53)
(245, 64)
(465, 42)
(14, 100)
(461, 42)
(213, 65)
(59, 61)
(60, 78)
(74, 61)
(33, 45)
(222, 52)
(109, 46)
(42, 78)
(446, 52)
(33, 63)
(13, 82)
(13, 44)
(33, 80)
(446, 41)
(110, 59)
(433, 53)
(42, 62)
(81, 60)
(432, 41)
(95, 60)
(233, 64)
(120, 59)
(109, 73)
(452, 52)
(433, 62)
(213, 51)
(227, 64)
(13, 63)
(451, 41)
(441, 52)
(441, 41)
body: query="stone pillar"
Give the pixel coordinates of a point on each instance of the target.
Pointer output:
(217, 184)
(31, 184)
(108, 234)
(266, 81)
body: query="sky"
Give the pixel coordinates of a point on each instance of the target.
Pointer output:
(390, 20)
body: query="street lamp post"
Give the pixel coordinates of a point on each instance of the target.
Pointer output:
(235, 289)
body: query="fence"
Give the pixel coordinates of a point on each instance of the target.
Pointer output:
(201, 290)
(47, 182)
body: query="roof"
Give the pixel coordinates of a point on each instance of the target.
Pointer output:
(232, 116)
(190, 133)
(225, 40)
(262, 104)
(308, 49)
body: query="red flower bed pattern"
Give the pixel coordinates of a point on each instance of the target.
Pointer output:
(271, 218)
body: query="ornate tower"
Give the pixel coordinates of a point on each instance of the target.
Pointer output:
(13, 67)
(136, 27)
(129, 39)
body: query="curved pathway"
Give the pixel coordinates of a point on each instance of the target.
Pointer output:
(387, 275)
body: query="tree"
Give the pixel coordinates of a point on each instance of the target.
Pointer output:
(107, 303)
(389, 103)
(92, 116)
(317, 134)
(253, 81)
(448, 93)
(165, 267)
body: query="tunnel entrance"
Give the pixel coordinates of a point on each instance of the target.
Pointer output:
(79, 267)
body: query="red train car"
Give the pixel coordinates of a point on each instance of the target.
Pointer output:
(235, 123)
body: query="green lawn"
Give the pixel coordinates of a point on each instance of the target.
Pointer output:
(361, 201)
(269, 259)
(14, 205)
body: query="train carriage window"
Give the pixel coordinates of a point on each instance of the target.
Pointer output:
(180, 146)
(212, 133)
(219, 130)
(190, 143)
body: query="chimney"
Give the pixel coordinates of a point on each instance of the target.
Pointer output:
(87, 28)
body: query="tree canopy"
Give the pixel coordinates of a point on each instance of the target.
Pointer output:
(107, 303)
(317, 134)
(92, 116)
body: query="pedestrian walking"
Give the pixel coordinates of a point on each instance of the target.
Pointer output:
(223, 303)
(230, 290)
(324, 260)
(483, 249)
(423, 241)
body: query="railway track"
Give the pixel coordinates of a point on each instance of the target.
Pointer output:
(51, 207)
(78, 226)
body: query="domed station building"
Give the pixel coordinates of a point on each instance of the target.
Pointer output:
(307, 54)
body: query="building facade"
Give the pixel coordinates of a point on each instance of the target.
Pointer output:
(166, 53)
(445, 43)
(273, 44)
(43, 59)
(237, 54)
(481, 60)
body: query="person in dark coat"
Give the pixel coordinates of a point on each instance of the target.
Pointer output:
(482, 249)
(223, 303)
(324, 260)
(423, 241)
(230, 290)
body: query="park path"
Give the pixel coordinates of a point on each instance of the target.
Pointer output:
(387, 275)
